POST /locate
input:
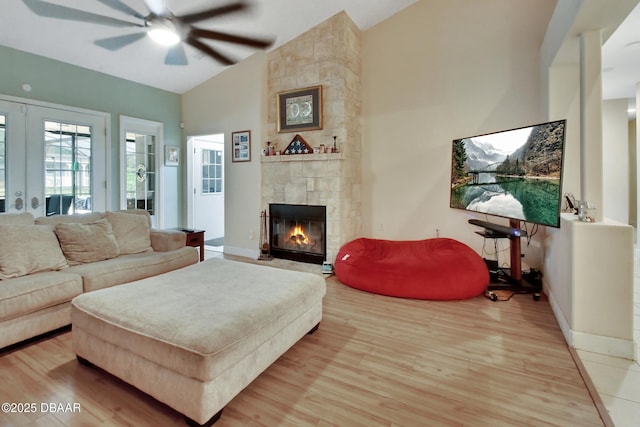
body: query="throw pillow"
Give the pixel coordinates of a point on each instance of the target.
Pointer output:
(27, 249)
(83, 243)
(132, 232)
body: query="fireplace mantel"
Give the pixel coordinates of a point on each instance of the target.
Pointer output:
(302, 157)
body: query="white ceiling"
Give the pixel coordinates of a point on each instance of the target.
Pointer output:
(621, 59)
(143, 61)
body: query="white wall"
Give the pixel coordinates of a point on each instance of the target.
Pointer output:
(615, 159)
(437, 71)
(563, 101)
(234, 101)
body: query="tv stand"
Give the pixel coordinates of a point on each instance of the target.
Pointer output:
(513, 280)
(491, 228)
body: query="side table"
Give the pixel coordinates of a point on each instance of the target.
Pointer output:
(195, 238)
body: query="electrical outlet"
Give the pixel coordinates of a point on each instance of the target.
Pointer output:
(252, 235)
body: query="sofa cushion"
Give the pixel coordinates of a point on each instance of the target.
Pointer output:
(127, 268)
(167, 240)
(35, 292)
(65, 219)
(131, 232)
(83, 243)
(27, 249)
(141, 212)
(24, 218)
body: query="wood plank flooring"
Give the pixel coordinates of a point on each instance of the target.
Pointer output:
(375, 361)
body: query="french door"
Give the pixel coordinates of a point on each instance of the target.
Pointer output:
(141, 143)
(52, 160)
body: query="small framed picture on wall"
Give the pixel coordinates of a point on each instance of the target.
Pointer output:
(171, 155)
(241, 145)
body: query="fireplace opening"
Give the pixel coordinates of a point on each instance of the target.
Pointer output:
(298, 232)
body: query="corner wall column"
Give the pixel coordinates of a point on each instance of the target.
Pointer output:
(636, 213)
(591, 120)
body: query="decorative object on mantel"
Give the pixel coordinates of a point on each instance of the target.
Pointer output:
(271, 150)
(300, 109)
(241, 146)
(298, 146)
(335, 146)
(265, 248)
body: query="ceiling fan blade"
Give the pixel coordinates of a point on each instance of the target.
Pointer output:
(223, 59)
(176, 56)
(213, 12)
(115, 43)
(118, 5)
(225, 37)
(51, 10)
(158, 7)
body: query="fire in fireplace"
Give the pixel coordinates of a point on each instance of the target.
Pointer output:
(298, 232)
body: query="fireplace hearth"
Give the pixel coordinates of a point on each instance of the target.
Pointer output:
(298, 232)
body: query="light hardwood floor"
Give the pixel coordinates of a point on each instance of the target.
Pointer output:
(375, 361)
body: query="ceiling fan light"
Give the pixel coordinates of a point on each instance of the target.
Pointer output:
(164, 34)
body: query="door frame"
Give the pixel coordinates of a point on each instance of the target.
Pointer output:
(26, 102)
(15, 130)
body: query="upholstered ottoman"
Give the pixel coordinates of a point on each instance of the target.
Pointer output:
(194, 338)
(433, 269)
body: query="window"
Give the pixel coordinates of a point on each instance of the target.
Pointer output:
(67, 168)
(211, 171)
(140, 153)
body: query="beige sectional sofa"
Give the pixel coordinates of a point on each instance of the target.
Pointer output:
(45, 262)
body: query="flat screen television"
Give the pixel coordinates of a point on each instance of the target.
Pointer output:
(515, 174)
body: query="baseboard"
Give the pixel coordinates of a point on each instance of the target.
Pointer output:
(589, 342)
(557, 312)
(243, 252)
(604, 345)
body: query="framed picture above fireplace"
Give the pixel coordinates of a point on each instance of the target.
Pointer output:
(300, 109)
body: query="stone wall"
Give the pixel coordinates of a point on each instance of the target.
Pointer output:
(327, 55)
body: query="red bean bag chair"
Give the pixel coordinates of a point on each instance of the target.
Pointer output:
(434, 269)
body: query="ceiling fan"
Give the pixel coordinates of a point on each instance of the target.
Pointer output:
(161, 24)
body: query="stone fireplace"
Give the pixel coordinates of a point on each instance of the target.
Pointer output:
(317, 180)
(327, 55)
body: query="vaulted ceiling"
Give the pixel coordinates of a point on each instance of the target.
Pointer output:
(73, 42)
(143, 61)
